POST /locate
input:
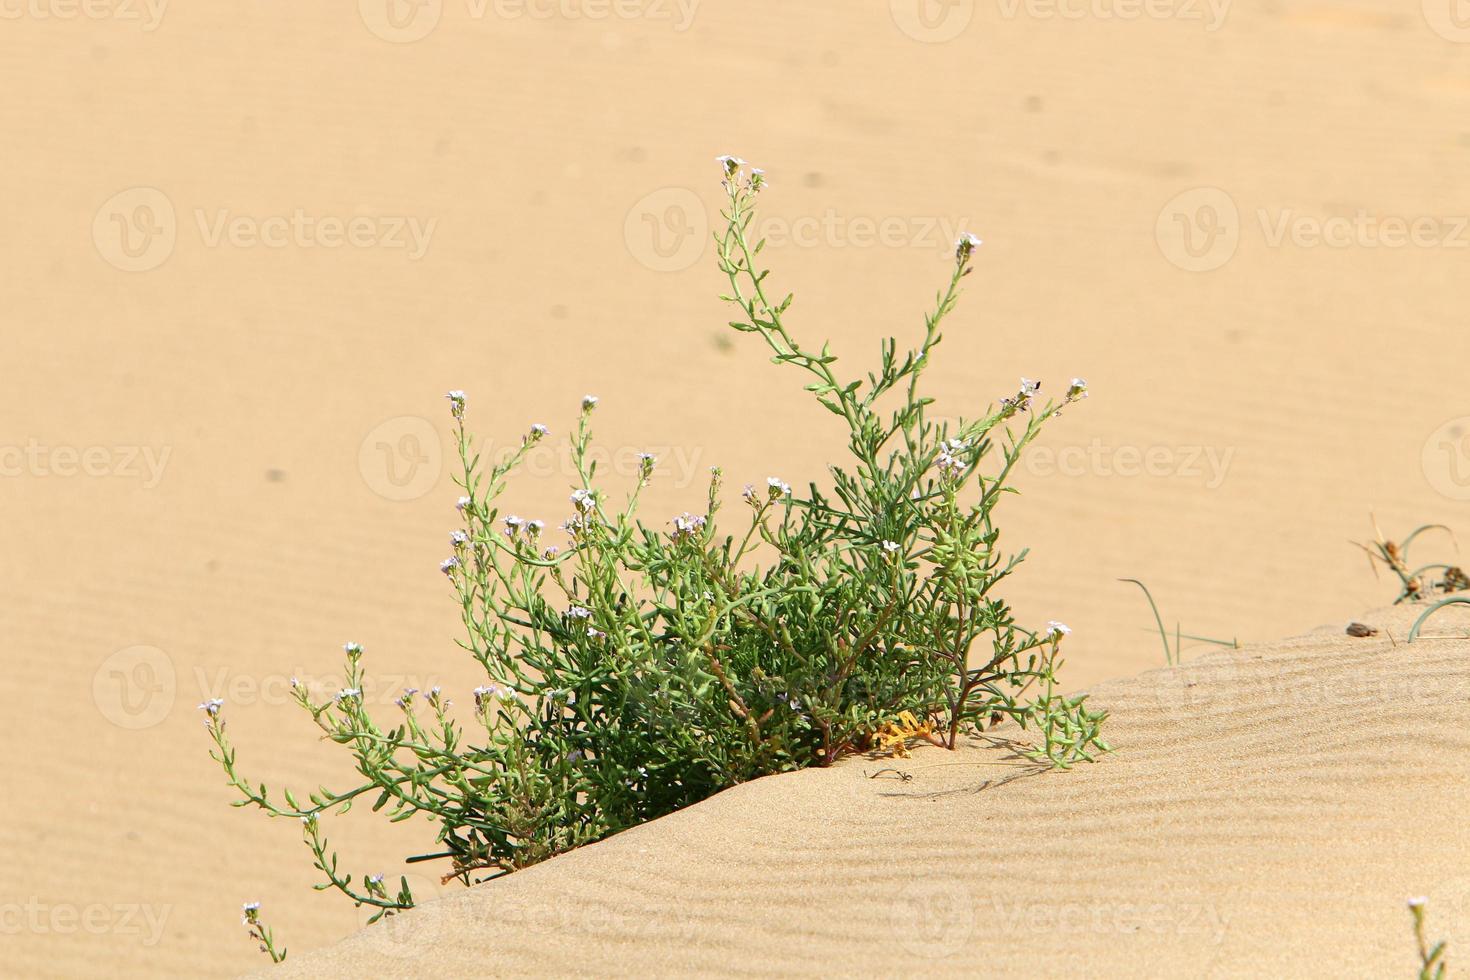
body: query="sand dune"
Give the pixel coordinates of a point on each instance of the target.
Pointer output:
(1265, 813)
(291, 398)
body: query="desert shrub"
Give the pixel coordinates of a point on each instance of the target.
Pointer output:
(639, 668)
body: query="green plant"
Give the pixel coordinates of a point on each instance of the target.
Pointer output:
(639, 668)
(1431, 959)
(1171, 656)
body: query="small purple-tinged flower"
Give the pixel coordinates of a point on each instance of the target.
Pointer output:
(731, 164)
(458, 539)
(462, 504)
(347, 693)
(352, 649)
(212, 706)
(456, 403)
(249, 913)
(1056, 629)
(1077, 391)
(892, 547)
(589, 402)
(687, 526)
(579, 612)
(448, 565)
(535, 527)
(776, 488)
(966, 246)
(539, 431)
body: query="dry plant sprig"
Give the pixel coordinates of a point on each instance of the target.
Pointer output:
(1414, 583)
(637, 669)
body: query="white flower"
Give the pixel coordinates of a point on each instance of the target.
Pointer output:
(538, 430)
(448, 565)
(776, 487)
(347, 692)
(579, 612)
(730, 164)
(688, 526)
(966, 246)
(583, 500)
(212, 706)
(458, 538)
(456, 403)
(588, 401)
(1056, 629)
(352, 649)
(1418, 902)
(949, 465)
(535, 527)
(1078, 390)
(595, 633)
(891, 546)
(512, 524)
(249, 913)
(462, 503)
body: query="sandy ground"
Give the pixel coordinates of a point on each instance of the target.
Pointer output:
(249, 247)
(1265, 813)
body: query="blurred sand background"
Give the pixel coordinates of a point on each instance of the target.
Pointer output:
(251, 246)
